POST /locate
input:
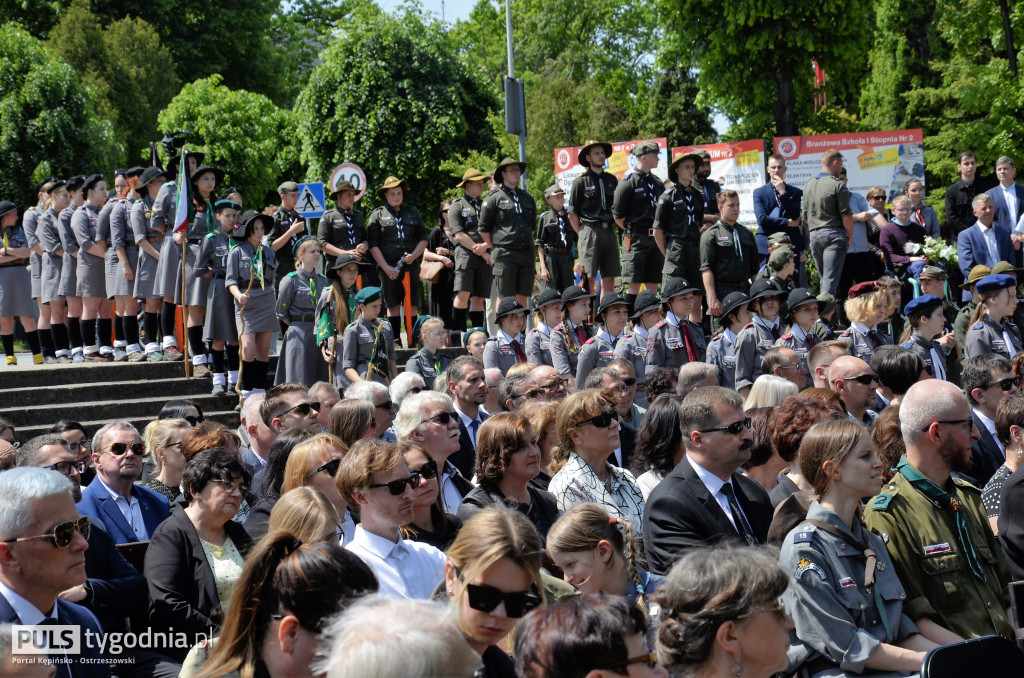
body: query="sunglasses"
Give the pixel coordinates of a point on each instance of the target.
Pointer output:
(331, 467)
(951, 422)
(487, 599)
(428, 471)
(733, 428)
(231, 486)
(630, 383)
(194, 420)
(778, 610)
(602, 420)
(64, 467)
(443, 418)
(1007, 384)
(650, 659)
(387, 405)
(865, 379)
(120, 449)
(556, 384)
(303, 409)
(62, 535)
(397, 487)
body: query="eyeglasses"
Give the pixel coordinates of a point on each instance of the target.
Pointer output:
(120, 449)
(602, 420)
(529, 394)
(64, 467)
(951, 422)
(397, 487)
(414, 390)
(778, 610)
(331, 467)
(63, 534)
(620, 388)
(387, 405)
(487, 599)
(650, 659)
(733, 428)
(443, 418)
(630, 383)
(232, 487)
(74, 447)
(303, 409)
(1007, 384)
(194, 420)
(428, 471)
(865, 379)
(556, 384)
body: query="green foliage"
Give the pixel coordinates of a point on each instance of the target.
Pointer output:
(241, 132)
(673, 112)
(35, 16)
(48, 120)
(393, 98)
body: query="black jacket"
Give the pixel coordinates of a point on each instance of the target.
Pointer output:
(542, 510)
(986, 457)
(465, 458)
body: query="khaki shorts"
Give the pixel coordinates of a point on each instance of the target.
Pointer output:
(513, 273)
(599, 251)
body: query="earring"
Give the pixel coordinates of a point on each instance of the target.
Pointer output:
(1020, 452)
(738, 669)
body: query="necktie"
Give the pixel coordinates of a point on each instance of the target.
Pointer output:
(775, 332)
(810, 340)
(600, 188)
(520, 356)
(742, 526)
(473, 426)
(581, 334)
(691, 347)
(876, 339)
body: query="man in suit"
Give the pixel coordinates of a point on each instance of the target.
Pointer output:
(468, 389)
(704, 499)
(130, 512)
(777, 210)
(261, 436)
(1007, 196)
(987, 379)
(428, 419)
(42, 553)
(984, 243)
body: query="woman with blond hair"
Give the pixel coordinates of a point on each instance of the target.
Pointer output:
(866, 306)
(353, 419)
(314, 463)
(768, 391)
(163, 439)
(306, 513)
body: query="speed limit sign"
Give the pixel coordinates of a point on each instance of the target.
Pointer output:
(351, 173)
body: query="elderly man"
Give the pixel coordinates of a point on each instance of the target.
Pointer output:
(405, 384)
(384, 408)
(953, 571)
(987, 380)
(374, 477)
(515, 390)
(42, 554)
(705, 498)
(784, 362)
(630, 408)
(819, 359)
(696, 375)
(493, 377)
(289, 405)
(429, 420)
(467, 387)
(328, 396)
(550, 382)
(984, 243)
(129, 511)
(856, 385)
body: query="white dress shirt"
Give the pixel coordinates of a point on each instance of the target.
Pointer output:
(404, 569)
(132, 511)
(989, 233)
(991, 426)
(715, 485)
(1010, 196)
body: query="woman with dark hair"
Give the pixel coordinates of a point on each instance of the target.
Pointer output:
(271, 480)
(352, 420)
(764, 464)
(888, 440)
(81, 446)
(541, 415)
(431, 524)
(659, 442)
(189, 410)
(441, 247)
(195, 557)
(285, 594)
(507, 460)
(787, 425)
(1010, 432)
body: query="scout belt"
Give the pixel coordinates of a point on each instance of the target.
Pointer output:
(557, 250)
(307, 318)
(599, 224)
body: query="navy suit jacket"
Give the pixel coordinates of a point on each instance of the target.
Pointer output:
(71, 614)
(1003, 216)
(97, 503)
(465, 458)
(986, 457)
(119, 590)
(773, 217)
(972, 249)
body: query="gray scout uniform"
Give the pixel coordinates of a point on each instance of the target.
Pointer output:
(838, 619)
(597, 352)
(146, 268)
(722, 354)
(197, 287)
(563, 358)
(863, 343)
(666, 345)
(30, 225)
(91, 269)
(15, 280)
(633, 347)
(121, 235)
(428, 366)
(69, 269)
(357, 346)
(300, 359)
(930, 352)
(752, 343)
(538, 345)
(988, 336)
(260, 315)
(801, 342)
(219, 324)
(53, 256)
(162, 218)
(501, 352)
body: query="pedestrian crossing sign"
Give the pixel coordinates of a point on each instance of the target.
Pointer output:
(311, 200)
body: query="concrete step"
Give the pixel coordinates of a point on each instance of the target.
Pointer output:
(101, 391)
(125, 407)
(228, 417)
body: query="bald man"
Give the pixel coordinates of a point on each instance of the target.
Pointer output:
(856, 384)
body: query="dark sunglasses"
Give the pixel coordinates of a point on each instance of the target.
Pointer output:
(1007, 384)
(194, 420)
(602, 420)
(303, 409)
(120, 449)
(865, 379)
(733, 428)
(444, 418)
(629, 382)
(951, 422)
(650, 659)
(331, 467)
(428, 471)
(385, 406)
(397, 487)
(487, 599)
(62, 534)
(64, 467)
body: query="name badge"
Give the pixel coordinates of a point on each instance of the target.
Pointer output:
(673, 342)
(365, 335)
(504, 349)
(729, 361)
(722, 240)
(765, 344)
(545, 345)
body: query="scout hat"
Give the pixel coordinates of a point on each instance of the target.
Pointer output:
(149, 175)
(172, 164)
(976, 274)
(704, 155)
(6, 207)
(249, 218)
(995, 282)
(645, 301)
(1006, 267)
(675, 287)
(90, 181)
(925, 303)
(39, 186)
(472, 174)
(733, 301)
(546, 298)
(645, 147)
(298, 243)
(391, 182)
(608, 300)
(799, 297)
(828, 303)
(779, 258)
(75, 183)
(779, 237)
(571, 294)
(468, 333)
(766, 288)
(343, 186)
(368, 295)
(55, 185)
(224, 204)
(553, 189)
(344, 259)
(860, 289)
(509, 306)
(218, 174)
(692, 155)
(285, 187)
(418, 325)
(582, 155)
(933, 272)
(507, 162)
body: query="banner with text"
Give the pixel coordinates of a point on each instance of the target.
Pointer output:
(888, 159)
(620, 163)
(735, 166)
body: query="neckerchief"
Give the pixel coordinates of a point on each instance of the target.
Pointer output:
(350, 220)
(691, 346)
(945, 500)
(257, 266)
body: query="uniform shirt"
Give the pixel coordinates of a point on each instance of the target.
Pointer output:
(357, 346)
(428, 366)
(298, 295)
(636, 198)
(15, 239)
(633, 347)
(240, 265)
(85, 224)
(67, 235)
(563, 358)
(103, 226)
(464, 217)
(753, 341)
(722, 354)
(666, 344)
(500, 352)
(930, 352)
(344, 230)
(49, 238)
(283, 220)
(826, 202)
(404, 569)
(121, 232)
(862, 343)
(554, 231)
(709, 190)
(164, 206)
(598, 351)
(509, 214)
(730, 253)
(576, 483)
(538, 345)
(213, 254)
(680, 213)
(30, 224)
(989, 336)
(141, 212)
(592, 196)
(395, 233)
(802, 342)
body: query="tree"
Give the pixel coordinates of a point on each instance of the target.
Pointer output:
(243, 133)
(48, 120)
(674, 112)
(391, 95)
(36, 16)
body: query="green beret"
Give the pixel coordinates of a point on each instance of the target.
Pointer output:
(368, 295)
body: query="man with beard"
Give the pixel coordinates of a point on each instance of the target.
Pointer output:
(709, 188)
(987, 379)
(953, 571)
(468, 388)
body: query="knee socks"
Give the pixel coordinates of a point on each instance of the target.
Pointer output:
(396, 327)
(130, 329)
(106, 328)
(59, 337)
(630, 302)
(119, 337)
(75, 334)
(89, 336)
(476, 318)
(196, 345)
(8, 342)
(33, 344)
(459, 319)
(167, 322)
(232, 353)
(151, 325)
(46, 341)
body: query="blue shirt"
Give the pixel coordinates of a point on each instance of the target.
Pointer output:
(859, 203)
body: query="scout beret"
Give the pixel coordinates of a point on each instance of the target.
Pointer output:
(645, 147)
(90, 181)
(779, 237)
(368, 295)
(75, 183)
(828, 303)
(779, 258)
(42, 183)
(468, 333)
(418, 325)
(226, 205)
(286, 187)
(925, 303)
(134, 172)
(995, 282)
(55, 185)
(860, 289)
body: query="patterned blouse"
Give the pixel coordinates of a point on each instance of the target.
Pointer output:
(992, 495)
(576, 483)
(226, 563)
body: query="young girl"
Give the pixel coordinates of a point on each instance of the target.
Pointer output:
(599, 350)
(569, 336)
(48, 234)
(989, 333)
(250, 279)
(368, 347)
(69, 268)
(338, 301)
(633, 346)
(149, 241)
(121, 261)
(676, 340)
(924, 335)
(297, 298)
(538, 340)
(475, 339)
(219, 322)
(505, 348)
(428, 363)
(15, 286)
(866, 306)
(759, 335)
(92, 287)
(803, 313)
(722, 347)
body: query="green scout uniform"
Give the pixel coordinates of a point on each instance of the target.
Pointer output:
(472, 273)
(709, 190)
(680, 213)
(636, 200)
(591, 198)
(509, 214)
(345, 230)
(961, 586)
(556, 235)
(730, 253)
(396, 234)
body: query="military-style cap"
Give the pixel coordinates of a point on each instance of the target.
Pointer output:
(932, 272)
(39, 186)
(976, 274)
(582, 155)
(224, 204)
(344, 259)
(546, 298)
(172, 164)
(509, 306)
(553, 189)
(733, 301)
(704, 155)
(368, 295)
(675, 287)
(645, 147)
(924, 303)
(6, 207)
(1006, 267)
(285, 187)
(472, 174)
(779, 258)
(75, 183)
(468, 333)
(675, 163)
(828, 303)
(218, 174)
(392, 182)
(507, 162)
(418, 326)
(645, 301)
(779, 237)
(764, 287)
(55, 185)
(799, 297)
(860, 289)
(298, 244)
(134, 172)
(90, 181)
(994, 282)
(571, 294)
(608, 300)
(243, 227)
(149, 175)
(342, 186)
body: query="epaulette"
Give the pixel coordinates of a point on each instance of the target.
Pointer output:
(627, 335)
(907, 344)
(746, 326)
(590, 341)
(847, 332)
(661, 323)
(881, 502)
(665, 197)
(964, 484)
(558, 328)
(785, 337)
(211, 235)
(535, 329)
(351, 324)
(977, 326)
(804, 534)
(290, 275)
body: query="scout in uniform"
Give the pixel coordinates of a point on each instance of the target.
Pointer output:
(636, 199)
(599, 350)
(149, 241)
(555, 241)
(505, 348)
(825, 328)
(728, 254)
(368, 349)
(342, 230)
(250, 279)
(103, 235)
(925, 322)
(48, 233)
(92, 286)
(736, 314)
(30, 225)
(568, 337)
(709, 188)
(676, 340)
(397, 238)
(336, 308)
(992, 331)
(865, 308)
(963, 318)
(507, 217)
(472, 281)
(122, 260)
(219, 323)
(802, 309)
(590, 213)
(297, 296)
(289, 227)
(760, 334)
(633, 346)
(69, 268)
(428, 362)
(548, 309)
(780, 268)
(678, 221)
(15, 286)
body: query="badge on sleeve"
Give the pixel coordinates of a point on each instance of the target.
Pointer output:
(932, 549)
(847, 582)
(805, 565)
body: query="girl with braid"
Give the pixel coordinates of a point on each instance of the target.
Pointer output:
(568, 338)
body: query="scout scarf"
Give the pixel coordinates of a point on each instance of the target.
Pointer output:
(379, 355)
